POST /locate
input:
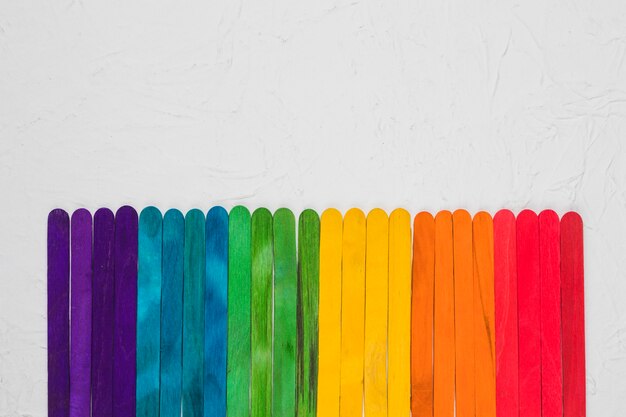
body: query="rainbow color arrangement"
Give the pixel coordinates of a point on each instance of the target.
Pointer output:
(233, 314)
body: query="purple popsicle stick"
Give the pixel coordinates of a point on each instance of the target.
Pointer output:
(125, 312)
(80, 322)
(103, 298)
(58, 313)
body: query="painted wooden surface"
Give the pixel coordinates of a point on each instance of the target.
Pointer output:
(352, 314)
(125, 313)
(443, 399)
(80, 320)
(376, 303)
(573, 316)
(150, 248)
(285, 299)
(308, 304)
(422, 307)
(102, 313)
(399, 331)
(550, 322)
(239, 271)
(505, 290)
(58, 314)
(463, 313)
(215, 312)
(193, 315)
(172, 314)
(262, 265)
(331, 244)
(529, 314)
(484, 321)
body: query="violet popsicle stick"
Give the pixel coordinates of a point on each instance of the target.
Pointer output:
(58, 313)
(80, 322)
(125, 313)
(102, 314)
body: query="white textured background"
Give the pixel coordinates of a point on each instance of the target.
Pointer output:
(421, 104)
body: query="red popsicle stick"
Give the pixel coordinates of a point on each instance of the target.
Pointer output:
(529, 313)
(573, 315)
(505, 288)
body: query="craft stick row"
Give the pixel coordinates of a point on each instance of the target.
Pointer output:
(238, 314)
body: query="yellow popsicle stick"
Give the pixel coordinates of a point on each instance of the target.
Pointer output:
(329, 321)
(444, 317)
(376, 284)
(399, 356)
(352, 314)
(464, 313)
(484, 325)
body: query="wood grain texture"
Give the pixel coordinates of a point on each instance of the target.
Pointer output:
(464, 313)
(172, 314)
(484, 321)
(215, 312)
(125, 313)
(80, 312)
(505, 290)
(193, 315)
(422, 308)
(331, 244)
(399, 331)
(239, 276)
(443, 400)
(352, 314)
(551, 362)
(150, 247)
(285, 300)
(58, 314)
(376, 312)
(262, 266)
(308, 304)
(103, 287)
(573, 315)
(529, 314)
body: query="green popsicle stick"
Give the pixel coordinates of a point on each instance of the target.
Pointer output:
(262, 263)
(285, 289)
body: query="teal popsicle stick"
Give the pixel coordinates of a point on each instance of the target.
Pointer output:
(148, 312)
(215, 312)
(172, 313)
(239, 271)
(193, 315)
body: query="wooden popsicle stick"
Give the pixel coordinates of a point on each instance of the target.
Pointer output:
(464, 313)
(399, 343)
(443, 400)
(125, 312)
(58, 313)
(215, 311)
(285, 299)
(331, 243)
(193, 314)
(573, 315)
(376, 311)
(484, 321)
(308, 303)
(172, 313)
(80, 320)
(262, 265)
(422, 309)
(529, 308)
(551, 362)
(150, 247)
(239, 351)
(505, 290)
(103, 287)
(352, 314)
